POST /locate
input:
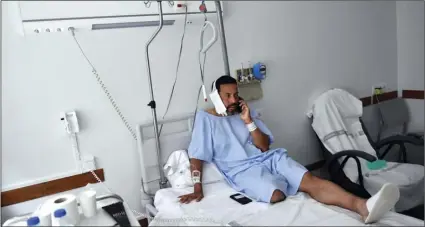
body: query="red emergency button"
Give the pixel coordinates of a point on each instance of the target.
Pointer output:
(202, 8)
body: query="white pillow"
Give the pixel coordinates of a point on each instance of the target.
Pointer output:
(177, 171)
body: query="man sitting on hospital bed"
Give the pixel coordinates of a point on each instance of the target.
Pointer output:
(238, 144)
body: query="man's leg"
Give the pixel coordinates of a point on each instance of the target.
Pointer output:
(331, 194)
(326, 192)
(258, 183)
(321, 190)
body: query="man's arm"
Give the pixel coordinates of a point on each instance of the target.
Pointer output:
(195, 164)
(259, 138)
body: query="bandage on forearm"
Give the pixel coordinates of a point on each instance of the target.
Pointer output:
(251, 126)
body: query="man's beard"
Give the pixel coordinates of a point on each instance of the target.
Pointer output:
(232, 109)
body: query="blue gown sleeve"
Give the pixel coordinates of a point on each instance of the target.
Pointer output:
(260, 124)
(200, 146)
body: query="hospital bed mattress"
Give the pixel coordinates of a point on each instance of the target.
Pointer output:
(218, 209)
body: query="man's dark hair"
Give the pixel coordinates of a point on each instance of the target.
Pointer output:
(226, 79)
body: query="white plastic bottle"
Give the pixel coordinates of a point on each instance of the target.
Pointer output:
(60, 218)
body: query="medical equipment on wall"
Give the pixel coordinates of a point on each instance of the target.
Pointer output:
(70, 122)
(53, 18)
(72, 128)
(252, 74)
(259, 71)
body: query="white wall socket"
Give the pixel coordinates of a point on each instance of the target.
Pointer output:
(382, 86)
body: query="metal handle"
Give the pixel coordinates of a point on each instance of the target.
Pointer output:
(213, 38)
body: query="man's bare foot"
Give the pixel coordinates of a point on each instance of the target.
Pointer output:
(362, 208)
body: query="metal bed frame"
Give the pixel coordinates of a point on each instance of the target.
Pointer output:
(175, 137)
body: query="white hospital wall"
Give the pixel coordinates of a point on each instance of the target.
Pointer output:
(410, 56)
(308, 47)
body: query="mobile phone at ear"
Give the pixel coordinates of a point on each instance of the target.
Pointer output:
(239, 108)
(238, 197)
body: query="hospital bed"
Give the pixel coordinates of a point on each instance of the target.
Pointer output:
(217, 208)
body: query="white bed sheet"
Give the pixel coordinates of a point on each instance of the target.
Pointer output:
(217, 209)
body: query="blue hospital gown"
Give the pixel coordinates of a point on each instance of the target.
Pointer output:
(226, 142)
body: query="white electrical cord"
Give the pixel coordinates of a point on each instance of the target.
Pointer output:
(110, 191)
(76, 151)
(105, 89)
(177, 69)
(99, 80)
(382, 121)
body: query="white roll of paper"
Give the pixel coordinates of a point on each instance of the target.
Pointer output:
(88, 203)
(67, 202)
(45, 219)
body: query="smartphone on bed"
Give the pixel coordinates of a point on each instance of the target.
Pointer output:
(238, 197)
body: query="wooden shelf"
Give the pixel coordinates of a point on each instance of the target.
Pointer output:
(36, 191)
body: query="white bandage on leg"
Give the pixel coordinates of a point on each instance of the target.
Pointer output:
(196, 176)
(382, 202)
(251, 126)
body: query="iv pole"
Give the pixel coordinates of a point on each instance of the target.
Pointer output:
(222, 37)
(152, 104)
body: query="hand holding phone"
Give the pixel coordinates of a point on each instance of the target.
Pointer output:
(245, 112)
(238, 106)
